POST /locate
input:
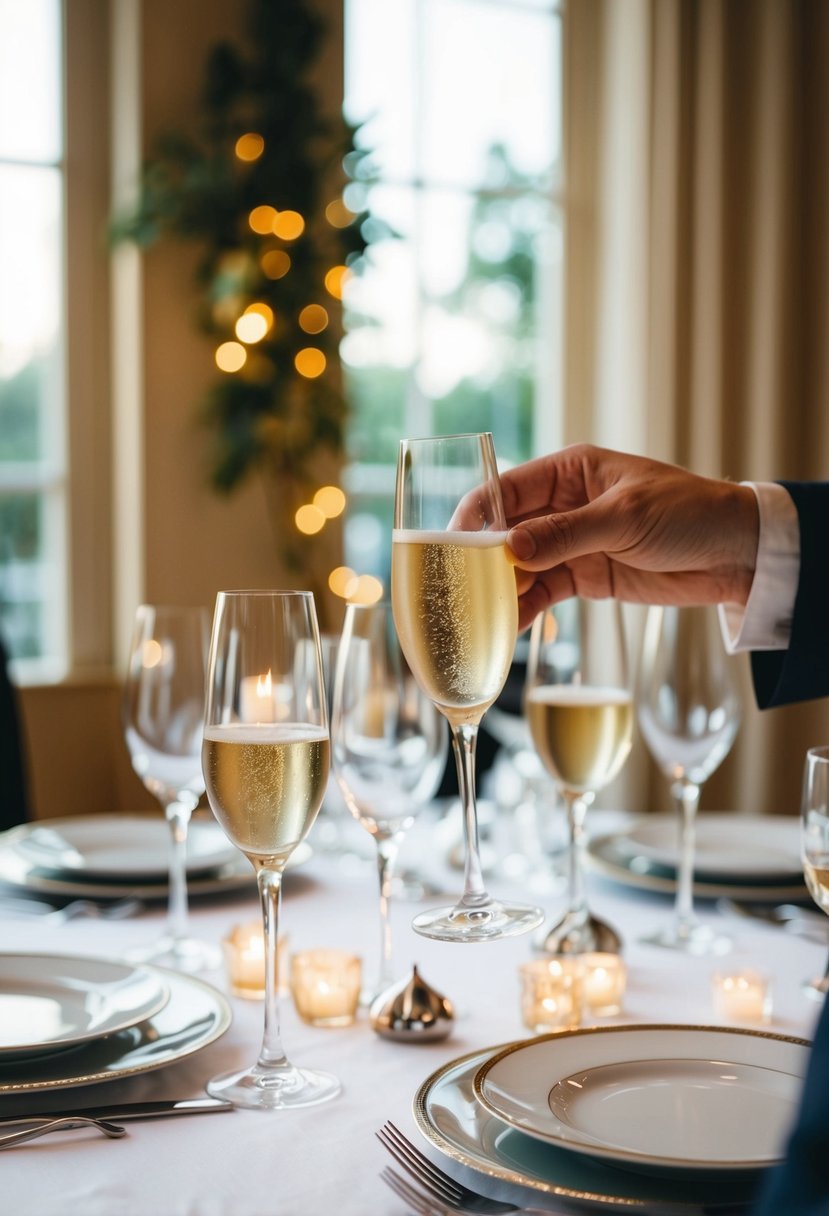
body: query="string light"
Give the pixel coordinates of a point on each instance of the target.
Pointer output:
(330, 500)
(309, 520)
(310, 362)
(368, 590)
(341, 580)
(262, 219)
(338, 215)
(288, 225)
(335, 280)
(313, 319)
(250, 146)
(275, 263)
(251, 327)
(230, 356)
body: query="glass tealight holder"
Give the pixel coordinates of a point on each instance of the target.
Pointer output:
(552, 994)
(325, 985)
(605, 979)
(742, 996)
(244, 957)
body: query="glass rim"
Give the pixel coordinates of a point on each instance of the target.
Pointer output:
(818, 753)
(264, 591)
(444, 438)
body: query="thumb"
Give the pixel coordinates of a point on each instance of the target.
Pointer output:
(538, 544)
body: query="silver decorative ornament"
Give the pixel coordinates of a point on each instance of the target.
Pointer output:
(412, 1011)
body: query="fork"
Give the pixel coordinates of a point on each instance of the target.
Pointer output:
(439, 1187)
(418, 1201)
(113, 1130)
(116, 910)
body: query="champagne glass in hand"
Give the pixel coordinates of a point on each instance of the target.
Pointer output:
(456, 611)
(266, 761)
(579, 706)
(388, 743)
(814, 814)
(163, 712)
(688, 706)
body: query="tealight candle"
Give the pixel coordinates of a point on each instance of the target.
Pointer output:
(551, 993)
(605, 977)
(744, 996)
(244, 953)
(326, 986)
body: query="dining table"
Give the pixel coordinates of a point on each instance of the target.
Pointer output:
(328, 1158)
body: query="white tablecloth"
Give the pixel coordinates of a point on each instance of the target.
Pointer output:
(326, 1159)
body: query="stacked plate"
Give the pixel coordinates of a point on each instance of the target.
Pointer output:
(75, 1021)
(736, 856)
(620, 1117)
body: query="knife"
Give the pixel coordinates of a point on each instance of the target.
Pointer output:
(127, 1110)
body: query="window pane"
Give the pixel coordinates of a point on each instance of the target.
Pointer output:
(23, 576)
(380, 81)
(30, 80)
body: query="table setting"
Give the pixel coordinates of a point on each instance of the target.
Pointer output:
(635, 1039)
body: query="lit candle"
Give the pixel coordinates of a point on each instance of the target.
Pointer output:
(326, 986)
(605, 977)
(551, 993)
(744, 996)
(244, 953)
(256, 702)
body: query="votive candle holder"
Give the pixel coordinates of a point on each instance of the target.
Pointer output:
(552, 994)
(325, 985)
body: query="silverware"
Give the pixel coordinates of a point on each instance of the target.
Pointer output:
(127, 1110)
(790, 917)
(114, 910)
(60, 1125)
(418, 1201)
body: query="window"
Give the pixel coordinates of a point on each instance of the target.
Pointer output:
(455, 323)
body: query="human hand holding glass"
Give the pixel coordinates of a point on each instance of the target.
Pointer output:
(266, 760)
(579, 706)
(689, 711)
(455, 609)
(388, 744)
(163, 714)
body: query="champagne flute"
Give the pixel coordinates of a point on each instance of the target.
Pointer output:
(688, 705)
(579, 706)
(266, 760)
(388, 746)
(456, 610)
(814, 817)
(163, 716)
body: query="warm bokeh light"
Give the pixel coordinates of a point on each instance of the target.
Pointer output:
(335, 280)
(262, 310)
(367, 590)
(309, 520)
(313, 319)
(251, 327)
(330, 500)
(341, 580)
(250, 146)
(338, 215)
(288, 225)
(310, 362)
(151, 653)
(262, 219)
(230, 356)
(275, 263)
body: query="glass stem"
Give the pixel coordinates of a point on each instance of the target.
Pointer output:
(178, 817)
(387, 850)
(576, 901)
(686, 797)
(464, 744)
(272, 1055)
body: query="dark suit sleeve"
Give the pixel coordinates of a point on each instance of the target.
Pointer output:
(802, 672)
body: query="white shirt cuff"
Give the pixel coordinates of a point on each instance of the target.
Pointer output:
(765, 622)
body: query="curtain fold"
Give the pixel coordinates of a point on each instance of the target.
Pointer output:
(698, 278)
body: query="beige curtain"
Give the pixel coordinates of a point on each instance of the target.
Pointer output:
(697, 284)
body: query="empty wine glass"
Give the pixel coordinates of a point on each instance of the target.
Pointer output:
(266, 759)
(689, 710)
(814, 818)
(579, 706)
(163, 715)
(456, 612)
(388, 744)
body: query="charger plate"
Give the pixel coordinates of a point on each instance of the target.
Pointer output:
(676, 1099)
(488, 1155)
(728, 847)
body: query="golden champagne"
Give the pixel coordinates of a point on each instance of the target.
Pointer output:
(817, 880)
(456, 611)
(582, 733)
(265, 783)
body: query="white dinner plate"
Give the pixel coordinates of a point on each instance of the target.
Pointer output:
(746, 847)
(486, 1154)
(51, 1002)
(675, 1098)
(195, 1015)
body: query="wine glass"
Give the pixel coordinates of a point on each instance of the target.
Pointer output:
(388, 746)
(266, 759)
(456, 610)
(163, 716)
(579, 706)
(814, 815)
(689, 710)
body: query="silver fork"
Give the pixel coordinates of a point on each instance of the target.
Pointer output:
(113, 1130)
(116, 910)
(438, 1186)
(418, 1201)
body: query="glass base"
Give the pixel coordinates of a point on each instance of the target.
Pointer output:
(188, 954)
(578, 935)
(690, 939)
(485, 923)
(260, 1088)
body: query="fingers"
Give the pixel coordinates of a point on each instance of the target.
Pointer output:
(548, 540)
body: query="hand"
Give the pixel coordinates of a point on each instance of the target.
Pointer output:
(592, 522)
